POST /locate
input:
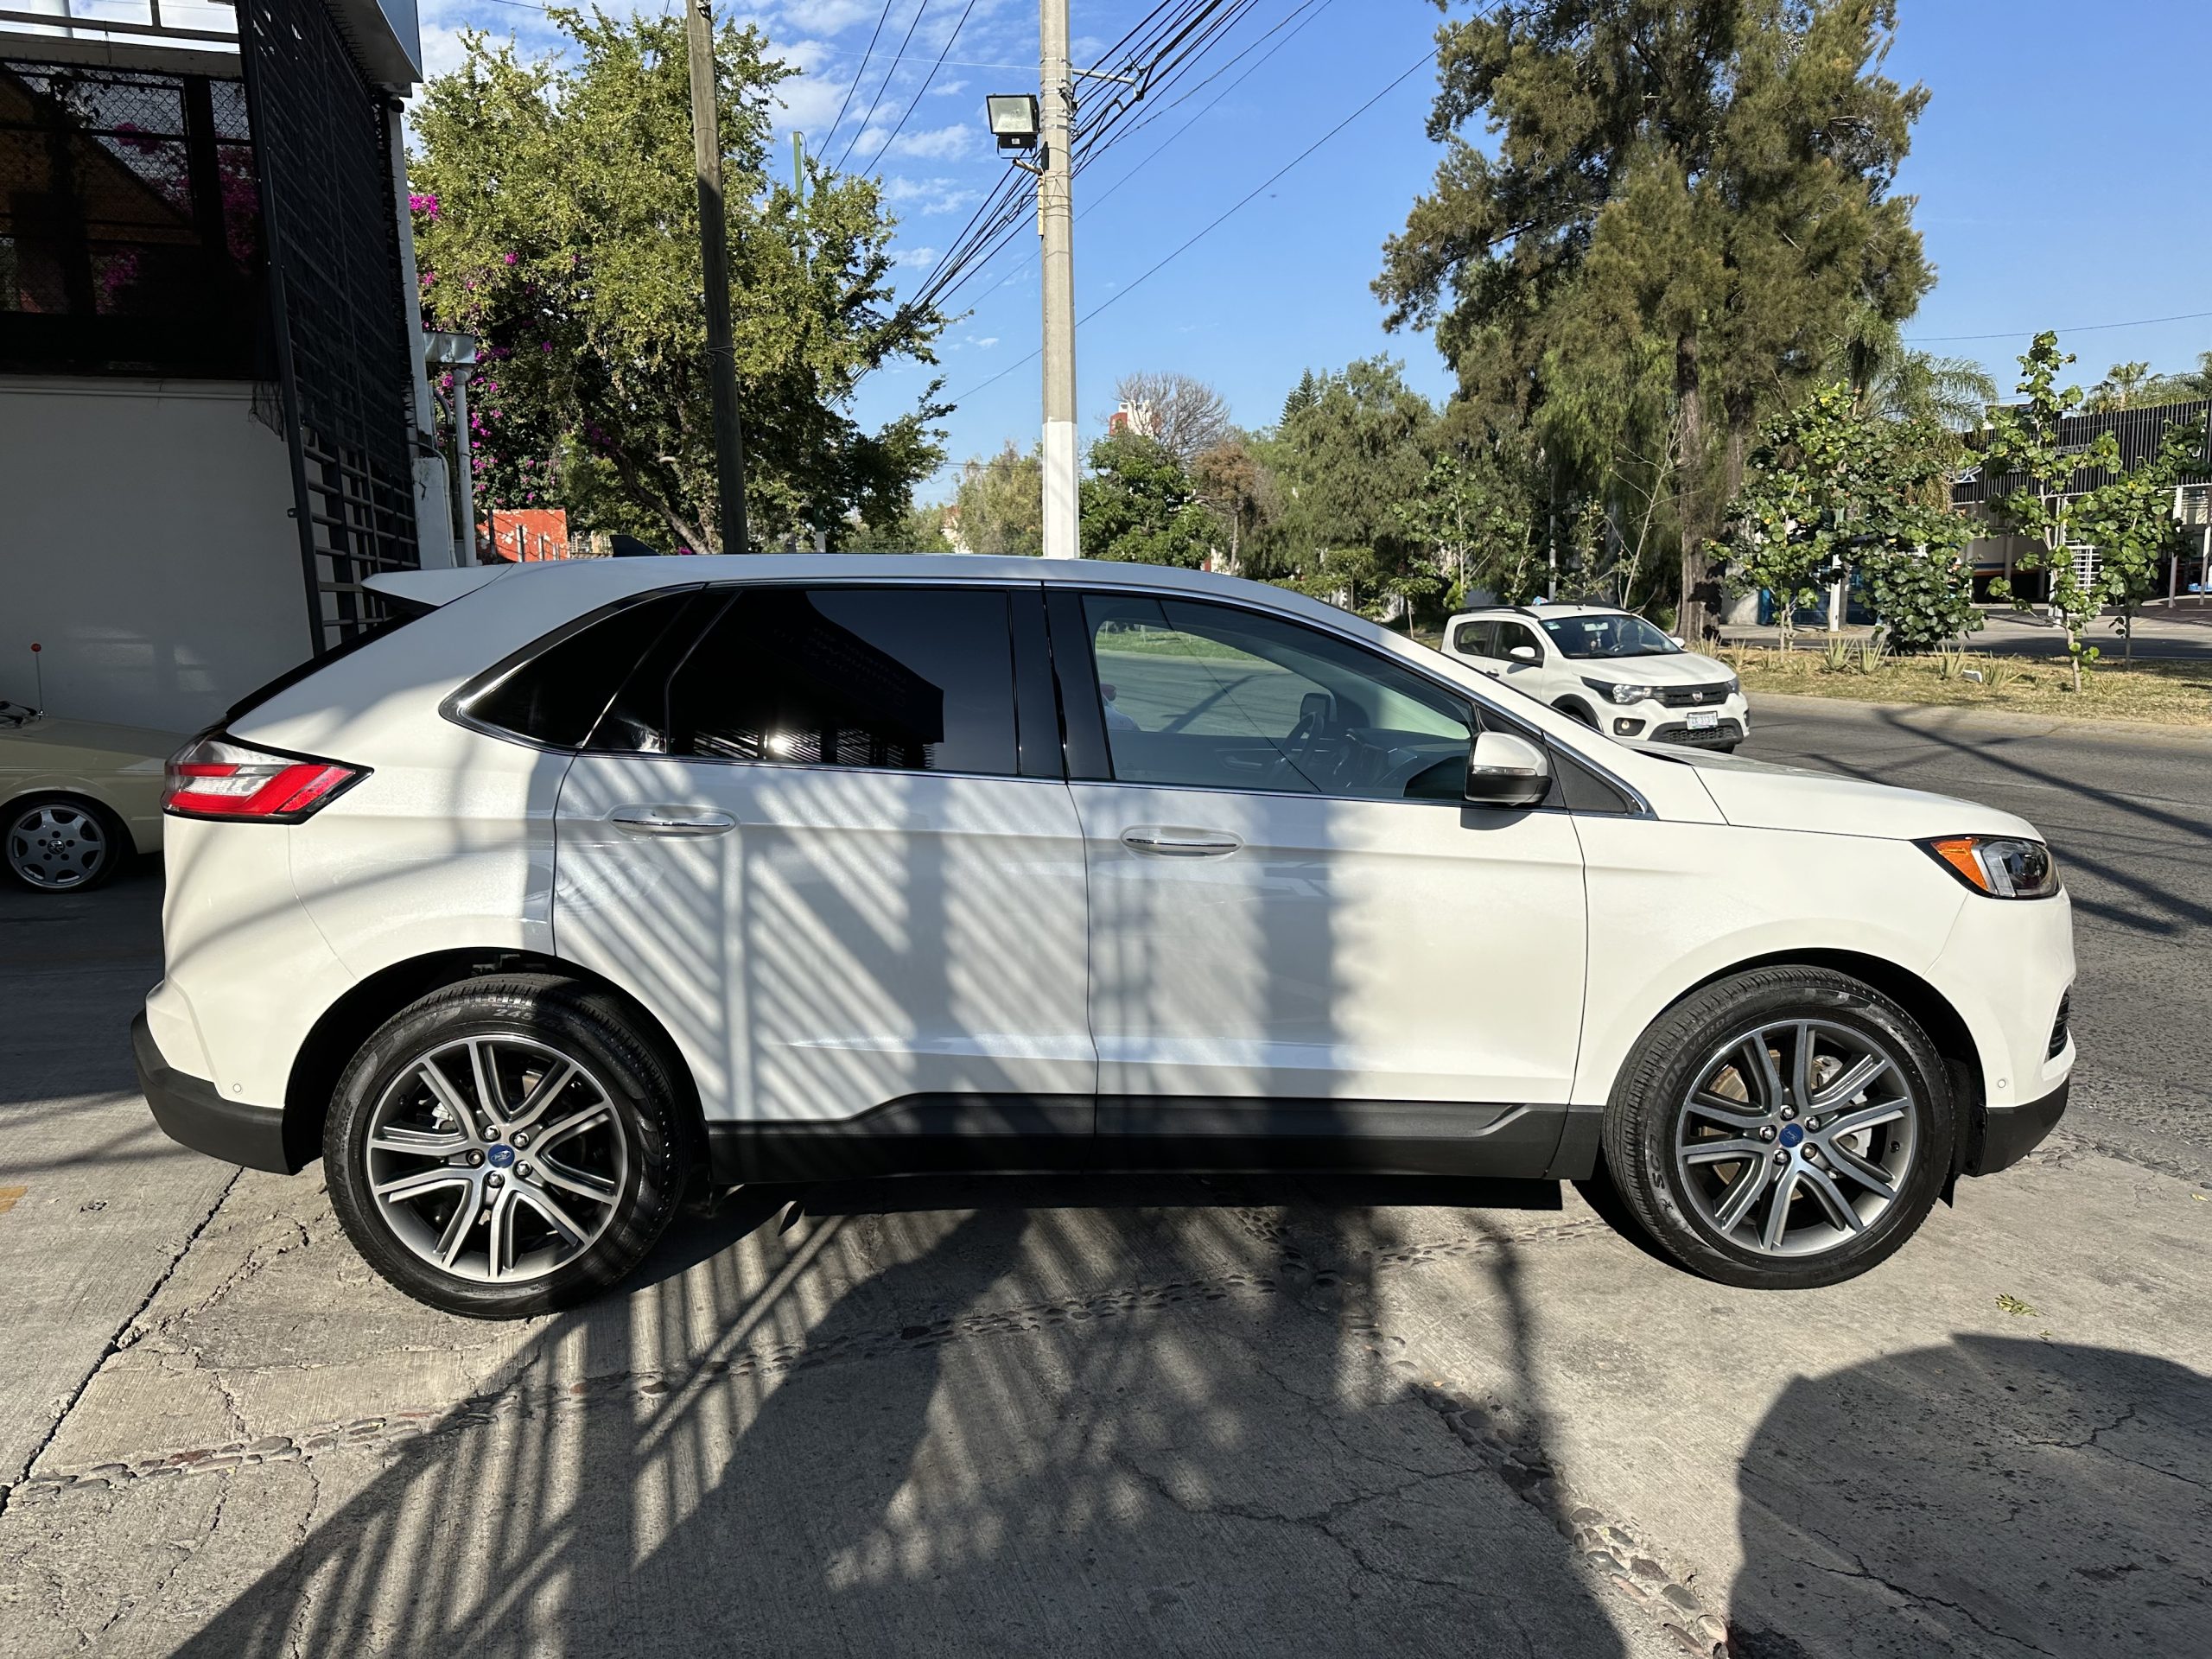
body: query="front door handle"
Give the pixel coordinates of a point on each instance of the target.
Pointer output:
(672, 820)
(1158, 842)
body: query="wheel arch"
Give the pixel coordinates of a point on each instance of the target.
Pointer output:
(1933, 1011)
(340, 1031)
(1576, 708)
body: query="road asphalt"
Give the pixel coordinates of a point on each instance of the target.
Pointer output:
(1116, 1415)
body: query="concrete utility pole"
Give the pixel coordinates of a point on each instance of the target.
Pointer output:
(1056, 225)
(714, 258)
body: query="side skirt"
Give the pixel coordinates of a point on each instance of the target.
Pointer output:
(923, 1134)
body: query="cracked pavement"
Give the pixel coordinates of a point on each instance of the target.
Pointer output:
(1127, 1415)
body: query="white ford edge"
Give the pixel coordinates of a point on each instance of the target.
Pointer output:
(576, 884)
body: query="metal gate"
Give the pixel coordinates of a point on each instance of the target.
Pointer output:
(323, 135)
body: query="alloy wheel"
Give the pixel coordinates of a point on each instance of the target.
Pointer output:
(1795, 1137)
(498, 1160)
(57, 846)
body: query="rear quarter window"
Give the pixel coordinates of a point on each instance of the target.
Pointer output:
(555, 695)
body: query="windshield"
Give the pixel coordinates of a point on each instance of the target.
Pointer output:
(1611, 635)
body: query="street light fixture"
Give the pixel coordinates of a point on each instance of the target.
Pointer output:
(1013, 118)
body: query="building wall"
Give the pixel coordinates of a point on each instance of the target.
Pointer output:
(145, 543)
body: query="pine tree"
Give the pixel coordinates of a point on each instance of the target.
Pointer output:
(1697, 185)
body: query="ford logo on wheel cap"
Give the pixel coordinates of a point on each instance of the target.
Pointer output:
(1792, 1135)
(500, 1156)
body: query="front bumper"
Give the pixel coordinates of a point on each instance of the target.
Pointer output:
(2001, 1137)
(192, 1113)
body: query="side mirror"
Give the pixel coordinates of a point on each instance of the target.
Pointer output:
(1506, 771)
(1522, 653)
(1678, 639)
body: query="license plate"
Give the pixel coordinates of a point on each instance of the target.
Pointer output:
(1703, 720)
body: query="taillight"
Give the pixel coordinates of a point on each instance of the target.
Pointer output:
(217, 777)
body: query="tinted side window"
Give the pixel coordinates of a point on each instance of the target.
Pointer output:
(1476, 638)
(919, 679)
(1510, 634)
(1210, 696)
(558, 695)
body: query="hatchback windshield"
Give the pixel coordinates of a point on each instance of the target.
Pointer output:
(1607, 636)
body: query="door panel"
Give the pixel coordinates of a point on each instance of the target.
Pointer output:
(852, 937)
(829, 881)
(1350, 950)
(1288, 899)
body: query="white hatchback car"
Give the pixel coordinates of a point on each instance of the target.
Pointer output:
(585, 881)
(1609, 669)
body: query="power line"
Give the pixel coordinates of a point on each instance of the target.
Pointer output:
(2080, 328)
(890, 70)
(924, 92)
(882, 17)
(1219, 220)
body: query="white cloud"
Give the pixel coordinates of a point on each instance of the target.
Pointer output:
(924, 257)
(929, 195)
(942, 145)
(984, 342)
(949, 89)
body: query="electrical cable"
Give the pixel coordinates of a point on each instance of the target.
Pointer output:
(890, 71)
(920, 95)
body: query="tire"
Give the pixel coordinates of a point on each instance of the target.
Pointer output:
(61, 843)
(569, 1224)
(1669, 1155)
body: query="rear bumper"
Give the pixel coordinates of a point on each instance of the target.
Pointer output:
(2004, 1136)
(192, 1114)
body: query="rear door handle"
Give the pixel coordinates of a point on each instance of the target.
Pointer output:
(1160, 842)
(670, 821)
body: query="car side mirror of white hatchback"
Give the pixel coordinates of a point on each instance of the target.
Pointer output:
(1504, 770)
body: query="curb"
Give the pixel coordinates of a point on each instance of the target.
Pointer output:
(1944, 716)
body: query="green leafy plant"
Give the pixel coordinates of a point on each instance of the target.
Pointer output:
(1836, 658)
(1872, 653)
(1997, 672)
(1950, 662)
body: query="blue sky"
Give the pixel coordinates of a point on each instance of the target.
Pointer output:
(2060, 171)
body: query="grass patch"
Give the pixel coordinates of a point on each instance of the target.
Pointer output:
(2164, 693)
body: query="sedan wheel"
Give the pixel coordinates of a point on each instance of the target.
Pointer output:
(1786, 1128)
(57, 845)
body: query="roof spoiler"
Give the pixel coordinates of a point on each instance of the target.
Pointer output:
(416, 591)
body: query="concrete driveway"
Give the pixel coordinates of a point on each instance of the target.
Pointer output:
(1026, 1416)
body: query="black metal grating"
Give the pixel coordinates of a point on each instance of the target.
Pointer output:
(341, 336)
(1693, 697)
(2059, 1027)
(130, 223)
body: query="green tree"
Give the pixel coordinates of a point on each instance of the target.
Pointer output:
(1825, 483)
(1709, 177)
(917, 529)
(2122, 382)
(1233, 480)
(1139, 505)
(1000, 505)
(1301, 397)
(2028, 439)
(1347, 463)
(1473, 522)
(2130, 521)
(556, 219)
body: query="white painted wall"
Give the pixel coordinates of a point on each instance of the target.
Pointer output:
(145, 542)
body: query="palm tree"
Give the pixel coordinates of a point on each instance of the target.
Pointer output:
(1893, 380)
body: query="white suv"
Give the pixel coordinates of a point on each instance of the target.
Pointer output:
(580, 882)
(1609, 669)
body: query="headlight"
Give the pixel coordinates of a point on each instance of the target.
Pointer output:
(2004, 866)
(1613, 693)
(1733, 686)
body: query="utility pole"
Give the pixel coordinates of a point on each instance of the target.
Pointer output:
(714, 258)
(1056, 225)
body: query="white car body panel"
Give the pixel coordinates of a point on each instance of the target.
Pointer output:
(859, 937)
(1347, 949)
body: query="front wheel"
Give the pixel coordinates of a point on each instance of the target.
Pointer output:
(61, 843)
(506, 1147)
(1784, 1128)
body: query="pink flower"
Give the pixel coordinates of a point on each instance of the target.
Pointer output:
(509, 257)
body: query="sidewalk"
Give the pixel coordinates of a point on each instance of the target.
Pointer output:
(2182, 635)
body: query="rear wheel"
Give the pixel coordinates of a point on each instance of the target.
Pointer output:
(506, 1147)
(61, 843)
(1783, 1128)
